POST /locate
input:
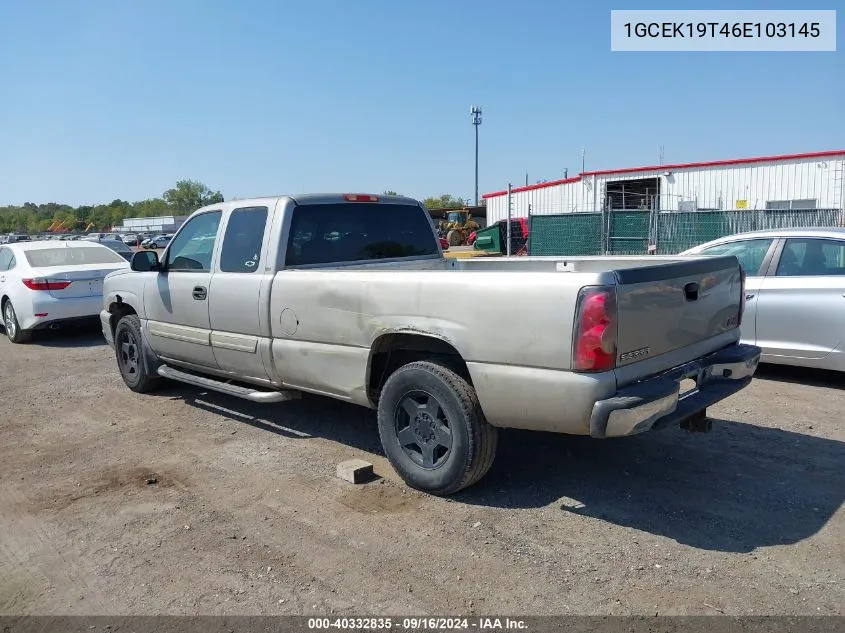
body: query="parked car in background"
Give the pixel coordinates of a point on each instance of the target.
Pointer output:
(795, 293)
(14, 238)
(133, 239)
(118, 247)
(159, 241)
(43, 284)
(350, 296)
(99, 237)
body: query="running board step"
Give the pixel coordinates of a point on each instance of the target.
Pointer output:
(247, 393)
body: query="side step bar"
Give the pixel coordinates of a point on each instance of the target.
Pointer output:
(247, 393)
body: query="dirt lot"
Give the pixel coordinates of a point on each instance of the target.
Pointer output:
(245, 515)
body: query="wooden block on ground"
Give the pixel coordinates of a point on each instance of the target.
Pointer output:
(355, 471)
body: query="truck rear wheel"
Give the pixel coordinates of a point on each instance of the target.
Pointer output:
(433, 430)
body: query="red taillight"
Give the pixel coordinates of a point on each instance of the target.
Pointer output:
(45, 284)
(360, 197)
(741, 296)
(594, 343)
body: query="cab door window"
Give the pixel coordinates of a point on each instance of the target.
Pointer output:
(192, 248)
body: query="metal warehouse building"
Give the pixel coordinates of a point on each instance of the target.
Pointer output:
(794, 181)
(159, 224)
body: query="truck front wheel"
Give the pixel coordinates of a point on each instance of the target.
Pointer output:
(433, 430)
(130, 356)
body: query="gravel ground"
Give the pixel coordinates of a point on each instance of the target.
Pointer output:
(186, 502)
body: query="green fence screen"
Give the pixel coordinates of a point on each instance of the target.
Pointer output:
(632, 231)
(565, 234)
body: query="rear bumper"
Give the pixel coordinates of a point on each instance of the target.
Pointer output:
(68, 322)
(657, 402)
(59, 311)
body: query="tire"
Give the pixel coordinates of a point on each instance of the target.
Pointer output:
(130, 356)
(454, 237)
(446, 410)
(13, 329)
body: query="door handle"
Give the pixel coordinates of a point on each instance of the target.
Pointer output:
(749, 297)
(691, 292)
(2, 279)
(200, 293)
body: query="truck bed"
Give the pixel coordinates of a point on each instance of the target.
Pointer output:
(586, 264)
(516, 312)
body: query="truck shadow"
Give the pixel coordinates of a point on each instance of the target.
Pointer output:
(66, 337)
(739, 488)
(736, 489)
(312, 416)
(802, 376)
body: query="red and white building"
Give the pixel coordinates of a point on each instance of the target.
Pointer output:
(812, 180)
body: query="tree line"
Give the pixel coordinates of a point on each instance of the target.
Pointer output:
(443, 201)
(184, 198)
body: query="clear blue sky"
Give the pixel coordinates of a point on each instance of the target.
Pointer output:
(104, 99)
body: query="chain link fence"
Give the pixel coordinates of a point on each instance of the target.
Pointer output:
(638, 231)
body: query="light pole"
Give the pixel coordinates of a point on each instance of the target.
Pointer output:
(475, 112)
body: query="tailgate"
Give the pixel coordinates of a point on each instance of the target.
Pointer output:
(668, 307)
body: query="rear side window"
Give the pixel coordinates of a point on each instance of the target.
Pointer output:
(356, 231)
(241, 250)
(811, 258)
(83, 256)
(750, 253)
(5, 258)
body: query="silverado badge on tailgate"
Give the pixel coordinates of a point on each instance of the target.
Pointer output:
(637, 353)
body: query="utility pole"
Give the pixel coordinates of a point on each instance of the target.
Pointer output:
(661, 155)
(510, 216)
(475, 112)
(583, 159)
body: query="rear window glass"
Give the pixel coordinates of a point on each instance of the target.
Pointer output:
(355, 231)
(46, 257)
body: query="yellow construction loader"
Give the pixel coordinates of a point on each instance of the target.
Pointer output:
(457, 226)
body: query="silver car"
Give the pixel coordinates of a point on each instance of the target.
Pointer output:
(795, 293)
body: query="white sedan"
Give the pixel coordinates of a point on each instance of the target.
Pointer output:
(47, 284)
(794, 293)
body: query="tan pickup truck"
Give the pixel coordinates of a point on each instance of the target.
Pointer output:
(349, 296)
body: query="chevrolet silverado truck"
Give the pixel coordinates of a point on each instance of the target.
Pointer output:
(349, 296)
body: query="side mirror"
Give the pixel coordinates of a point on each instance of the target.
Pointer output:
(144, 261)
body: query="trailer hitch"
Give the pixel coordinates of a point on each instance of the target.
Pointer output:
(697, 423)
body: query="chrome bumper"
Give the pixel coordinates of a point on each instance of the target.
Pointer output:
(658, 401)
